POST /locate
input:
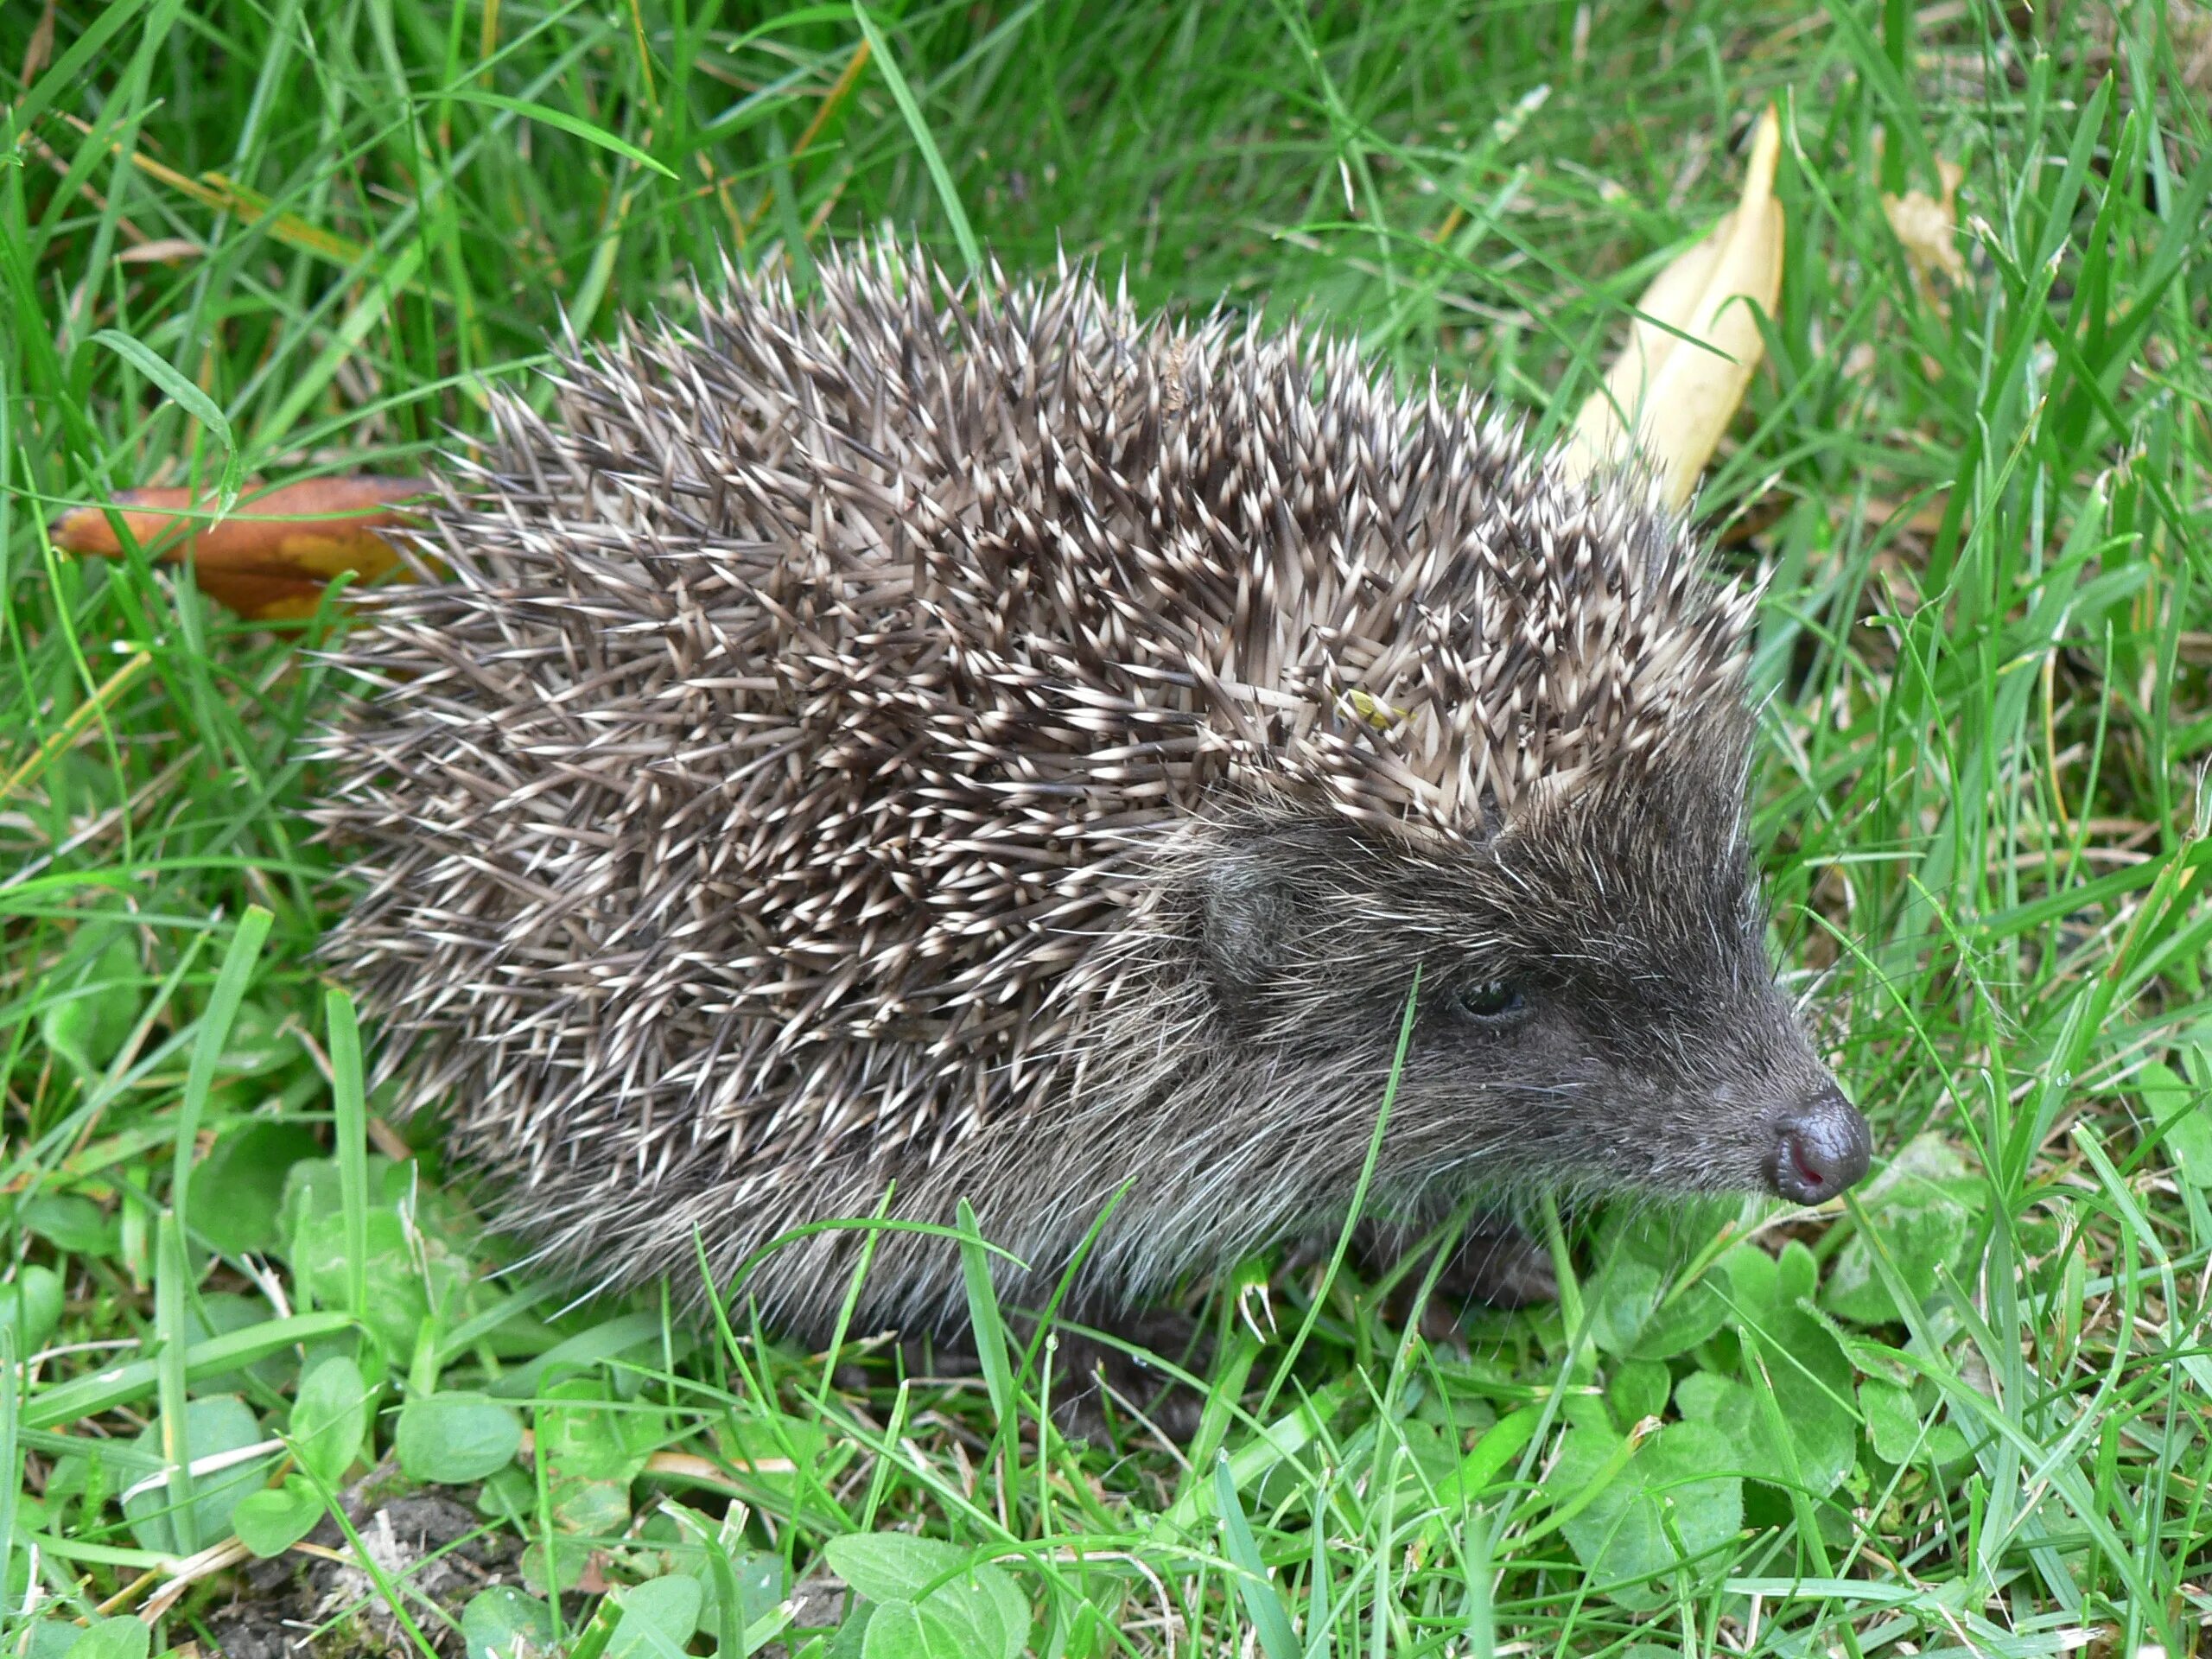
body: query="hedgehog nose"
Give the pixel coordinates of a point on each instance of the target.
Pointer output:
(1821, 1147)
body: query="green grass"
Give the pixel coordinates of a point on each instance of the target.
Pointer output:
(1966, 1414)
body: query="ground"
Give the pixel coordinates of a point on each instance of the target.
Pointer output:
(1963, 1411)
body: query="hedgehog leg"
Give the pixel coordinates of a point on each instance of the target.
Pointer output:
(1096, 1383)
(1498, 1265)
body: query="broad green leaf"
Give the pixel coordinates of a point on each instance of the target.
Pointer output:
(2188, 1144)
(315, 1190)
(1637, 1389)
(996, 1609)
(658, 1618)
(1892, 1425)
(46, 1638)
(1922, 1229)
(33, 1306)
(223, 1314)
(93, 1016)
(261, 1038)
(1634, 1317)
(330, 1418)
(71, 1223)
(1811, 1377)
(113, 1638)
(1623, 1534)
(241, 1184)
(586, 1434)
(219, 1423)
(271, 1520)
(1620, 1304)
(449, 1439)
(499, 1623)
(508, 1494)
(1795, 1274)
(406, 1275)
(853, 1633)
(593, 1448)
(1431, 1455)
(1918, 1205)
(902, 1629)
(1949, 1450)
(563, 1566)
(760, 1578)
(1729, 1406)
(892, 1565)
(755, 1579)
(1752, 1278)
(313, 1187)
(980, 1605)
(772, 1449)
(2179, 1108)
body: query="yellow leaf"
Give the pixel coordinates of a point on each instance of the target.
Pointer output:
(1680, 393)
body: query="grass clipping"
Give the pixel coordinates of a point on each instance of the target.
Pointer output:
(1695, 342)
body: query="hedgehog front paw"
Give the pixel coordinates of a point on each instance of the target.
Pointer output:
(1502, 1267)
(1498, 1264)
(1098, 1386)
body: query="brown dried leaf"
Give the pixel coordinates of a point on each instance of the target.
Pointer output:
(269, 561)
(1928, 229)
(40, 46)
(1681, 396)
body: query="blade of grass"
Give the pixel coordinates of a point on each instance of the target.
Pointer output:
(172, 1284)
(350, 1127)
(948, 197)
(1254, 1588)
(214, 1030)
(590, 133)
(988, 1329)
(188, 397)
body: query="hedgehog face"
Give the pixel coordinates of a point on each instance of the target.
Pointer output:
(1596, 1008)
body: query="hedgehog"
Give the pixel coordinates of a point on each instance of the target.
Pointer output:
(925, 742)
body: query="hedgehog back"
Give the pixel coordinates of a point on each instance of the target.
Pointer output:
(770, 777)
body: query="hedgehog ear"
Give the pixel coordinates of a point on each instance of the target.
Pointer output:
(1248, 925)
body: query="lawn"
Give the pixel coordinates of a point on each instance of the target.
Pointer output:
(1963, 1411)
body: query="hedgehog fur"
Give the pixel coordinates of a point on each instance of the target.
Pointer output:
(934, 741)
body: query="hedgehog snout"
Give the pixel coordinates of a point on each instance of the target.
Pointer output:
(1821, 1147)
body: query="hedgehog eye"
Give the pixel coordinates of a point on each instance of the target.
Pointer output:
(1488, 1002)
